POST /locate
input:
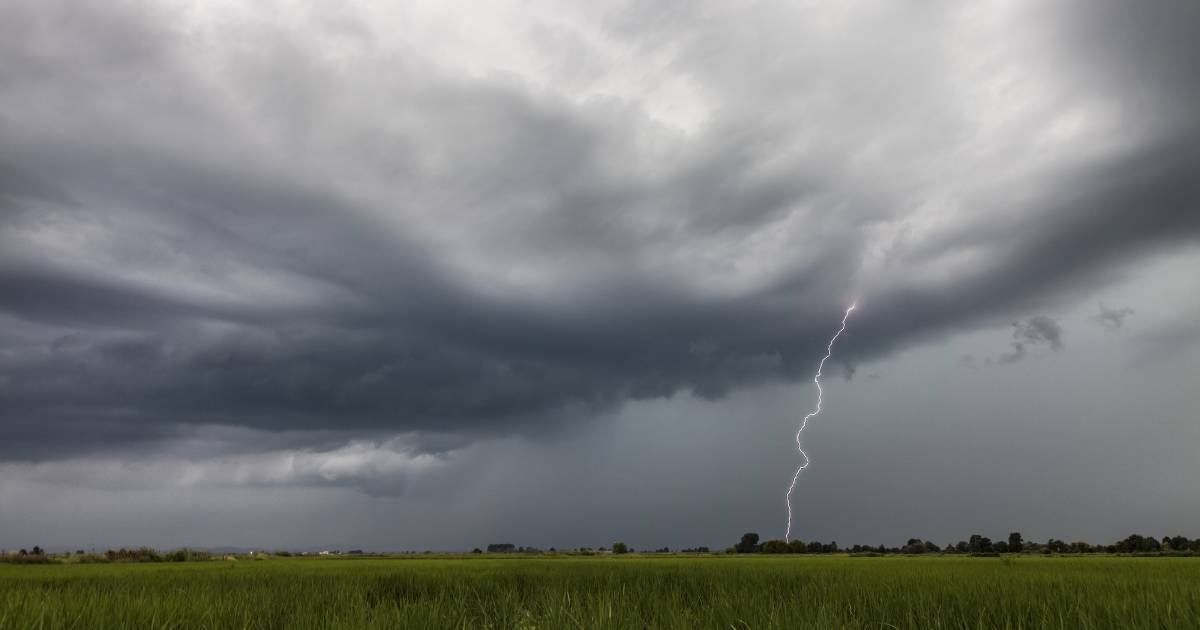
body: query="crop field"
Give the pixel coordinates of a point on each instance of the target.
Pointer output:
(654, 591)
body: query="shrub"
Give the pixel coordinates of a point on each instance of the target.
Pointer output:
(28, 558)
(141, 554)
(775, 546)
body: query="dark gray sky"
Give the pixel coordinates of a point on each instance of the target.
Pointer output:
(433, 276)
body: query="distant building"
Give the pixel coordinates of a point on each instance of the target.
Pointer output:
(501, 548)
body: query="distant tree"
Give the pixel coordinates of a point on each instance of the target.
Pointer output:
(979, 544)
(1057, 546)
(477, 550)
(37, 551)
(775, 546)
(620, 548)
(814, 547)
(1015, 544)
(1000, 546)
(797, 546)
(1138, 544)
(916, 545)
(1178, 543)
(749, 543)
(962, 546)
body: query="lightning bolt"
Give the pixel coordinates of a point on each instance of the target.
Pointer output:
(804, 423)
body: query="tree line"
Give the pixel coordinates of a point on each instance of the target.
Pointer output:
(976, 544)
(37, 555)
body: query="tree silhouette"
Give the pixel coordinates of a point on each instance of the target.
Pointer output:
(749, 543)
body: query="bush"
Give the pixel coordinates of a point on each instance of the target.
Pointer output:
(184, 555)
(27, 558)
(141, 554)
(775, 546)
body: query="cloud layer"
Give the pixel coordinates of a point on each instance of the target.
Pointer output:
(377, 221)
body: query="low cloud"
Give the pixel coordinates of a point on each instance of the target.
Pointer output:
(1037, 330)
(378, 468)
(1112, 318)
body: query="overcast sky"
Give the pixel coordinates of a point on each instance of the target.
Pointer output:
(426, 276)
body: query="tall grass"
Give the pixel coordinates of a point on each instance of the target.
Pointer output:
(610, 592)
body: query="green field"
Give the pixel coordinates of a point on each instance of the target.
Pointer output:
(610, 592)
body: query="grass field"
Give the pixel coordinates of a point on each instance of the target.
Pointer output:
(610, 592)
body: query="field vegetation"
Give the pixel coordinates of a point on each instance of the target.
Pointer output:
(608, 591)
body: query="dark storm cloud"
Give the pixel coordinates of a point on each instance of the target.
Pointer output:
(239, 231)
(1140, 203)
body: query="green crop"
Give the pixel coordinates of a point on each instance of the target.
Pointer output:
(664, 591)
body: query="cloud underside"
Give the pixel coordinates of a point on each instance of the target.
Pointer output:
(320, 224)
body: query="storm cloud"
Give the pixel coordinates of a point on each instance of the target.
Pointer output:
(332, 227)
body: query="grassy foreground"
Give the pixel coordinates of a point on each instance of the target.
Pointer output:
(610, 592)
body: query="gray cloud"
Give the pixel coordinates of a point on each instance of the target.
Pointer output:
(318, 229)
(1036, 330)
(1112, 318)
(1039, 329)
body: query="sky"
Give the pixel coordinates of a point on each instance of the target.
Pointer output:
(433, 275)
